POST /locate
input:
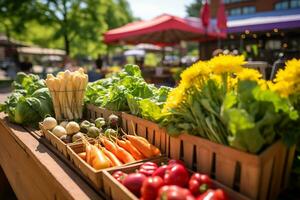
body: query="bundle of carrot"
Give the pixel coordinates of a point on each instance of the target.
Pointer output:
(67, 91)
(118, 151)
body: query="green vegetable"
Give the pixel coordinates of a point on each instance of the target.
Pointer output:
(99, 122)
(93, 132)
(84, 126)
(110, 132)
(123, 92)
(30, 102)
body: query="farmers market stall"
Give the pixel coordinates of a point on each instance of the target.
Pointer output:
(223, 133)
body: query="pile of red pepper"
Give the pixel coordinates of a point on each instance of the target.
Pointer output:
(169, 182)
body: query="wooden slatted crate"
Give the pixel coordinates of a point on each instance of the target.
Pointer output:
(95, 176)
(54, 140)
(260, 176)
(147, 129)
(116, 191)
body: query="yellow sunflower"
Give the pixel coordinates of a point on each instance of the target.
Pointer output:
(226, 64)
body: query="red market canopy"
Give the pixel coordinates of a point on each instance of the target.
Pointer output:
(162, 30)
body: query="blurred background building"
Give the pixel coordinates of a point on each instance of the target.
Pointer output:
(259, 29)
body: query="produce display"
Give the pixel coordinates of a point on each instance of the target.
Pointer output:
(171, 181)
(30, 100)
(228, 104)
(67, 91)
(128, 91)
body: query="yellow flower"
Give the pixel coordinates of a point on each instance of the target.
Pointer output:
(287, 81)
(249, 74)
(175, 97)
(226, 64)
(199, 70)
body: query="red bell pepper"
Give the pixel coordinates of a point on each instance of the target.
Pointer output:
(148, 168)
(218, 194)
(176, 175)
(199, 183)
(150, 187)
(174, 192)
(160, 171)
(119, 175)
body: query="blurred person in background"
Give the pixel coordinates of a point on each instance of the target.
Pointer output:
(96, 72)
(99, 62)
(26, 65)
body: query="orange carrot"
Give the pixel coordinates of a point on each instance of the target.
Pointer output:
(115, 161)
(130, 148)
(123, 155)
(147, 149)
(82, 155)
(99, 159)
(109, 145)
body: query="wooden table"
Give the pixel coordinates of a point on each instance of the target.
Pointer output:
(35, 172)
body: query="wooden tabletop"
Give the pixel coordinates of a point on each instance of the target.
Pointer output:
(34, 172)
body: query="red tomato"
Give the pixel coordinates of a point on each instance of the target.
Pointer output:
(176, 175)
(134, 183)
(150, 187)
(199, 183)
(119, 175)
(148, 168)
(174, 192)
(213, 195)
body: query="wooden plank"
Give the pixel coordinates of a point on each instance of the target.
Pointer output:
(266, 178)
(38, 174)
(174, 148)
(204, 160)
(279, 163)
(225, 169)
(249, 183)
(188, 151)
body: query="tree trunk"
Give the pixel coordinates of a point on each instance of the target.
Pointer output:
(67, 44)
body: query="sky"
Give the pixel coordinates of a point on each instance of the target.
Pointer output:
(148, 9)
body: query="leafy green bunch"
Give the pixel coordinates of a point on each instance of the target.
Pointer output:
(128, 91)
(29, 102)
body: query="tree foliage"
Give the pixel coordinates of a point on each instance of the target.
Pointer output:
(75, 25)
(193, 9)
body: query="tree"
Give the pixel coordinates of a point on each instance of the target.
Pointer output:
(193, 9)
(80, 24)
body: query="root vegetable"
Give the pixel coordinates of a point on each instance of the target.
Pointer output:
(49, 123)
(59, 131)
(72, 128)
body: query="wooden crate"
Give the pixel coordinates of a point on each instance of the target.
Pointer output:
(147, 129)
(54, 140)
(93, 112)
(260, 176)
(116, 191)
(95, 176)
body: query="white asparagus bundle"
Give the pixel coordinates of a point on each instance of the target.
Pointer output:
(67, 91)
